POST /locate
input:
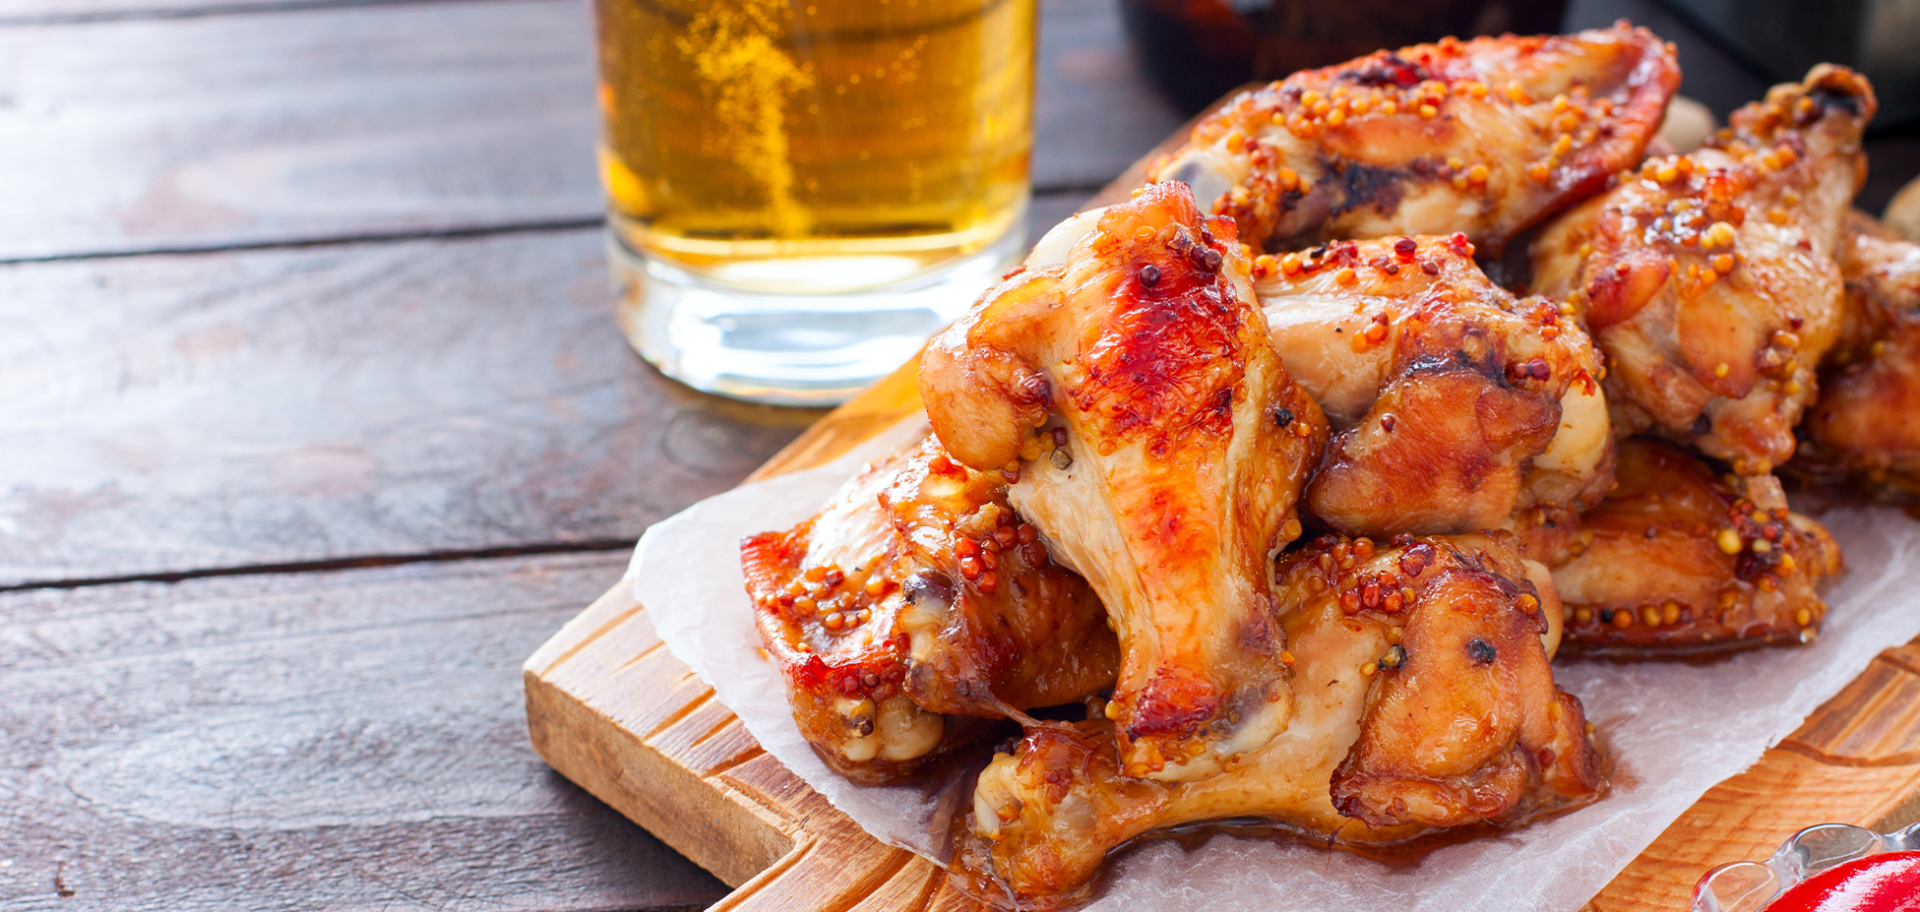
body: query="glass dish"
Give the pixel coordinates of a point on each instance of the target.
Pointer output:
(1749, 886)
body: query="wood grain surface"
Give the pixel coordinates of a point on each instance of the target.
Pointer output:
(125, 135)
(1856, 760)
(30, 13)
(325, 293)
(306, 124)
(343, 740)
(613, 710)
(365, 321)
(243, 408)
(282, 406)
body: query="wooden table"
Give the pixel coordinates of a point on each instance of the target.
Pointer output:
(316, 422)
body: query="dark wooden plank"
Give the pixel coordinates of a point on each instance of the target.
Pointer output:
(130, 135)
(315, 741)
(162, 133)
(165, 414)
(1094, 111)
(42, 12)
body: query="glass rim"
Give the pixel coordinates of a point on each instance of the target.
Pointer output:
(1751, 886)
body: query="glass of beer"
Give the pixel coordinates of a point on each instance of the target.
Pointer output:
(800, 192)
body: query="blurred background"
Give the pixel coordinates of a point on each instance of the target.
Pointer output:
(1196, 49)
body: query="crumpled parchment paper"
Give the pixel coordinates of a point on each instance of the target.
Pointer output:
(1674, 729)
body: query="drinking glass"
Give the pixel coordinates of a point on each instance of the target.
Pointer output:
(800, 192)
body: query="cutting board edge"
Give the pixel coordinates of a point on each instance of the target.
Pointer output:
(732, 836)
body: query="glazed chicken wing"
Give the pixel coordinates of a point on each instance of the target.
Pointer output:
(1678, 560)
(1708, 278)
(1881, 269)
(1456, 407)
(917, 595)
(1867, 422)
(1160, 448)
(1425, 701)
(1484, 136)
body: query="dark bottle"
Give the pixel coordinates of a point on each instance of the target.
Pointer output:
(1197, 50)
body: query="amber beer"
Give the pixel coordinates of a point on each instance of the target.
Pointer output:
(814, 146)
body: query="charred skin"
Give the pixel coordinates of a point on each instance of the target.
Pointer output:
(1485, 136)
(918, 598)
(1866, 425)
(1456, 406)
(1677, 561)
(1128, 382)
(1425, 702)
(1708, 279)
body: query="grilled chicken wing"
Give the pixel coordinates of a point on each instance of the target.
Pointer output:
(1708, 278)
(1457, 408)
(1425, 701)
(915, 595)
(1677, 560)
(1867, 422)
(1484, 136)
(1160, 448)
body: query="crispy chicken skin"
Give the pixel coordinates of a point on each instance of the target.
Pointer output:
(916, 594)
(1484, 136)
(1425, 702)
(1867, 422)
(1881, 270)
(1679, 561)
(1708, 278)
(1160, 447)
(1456, 407)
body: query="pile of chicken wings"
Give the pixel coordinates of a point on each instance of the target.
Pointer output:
(1265, 478)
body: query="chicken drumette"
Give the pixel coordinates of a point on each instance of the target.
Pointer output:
(917, 596)
(1425, 701)
(1677, 559)
(1457, 408)
(1159, 445)
(1708, 278)
(1867, 422)
(1484, 136)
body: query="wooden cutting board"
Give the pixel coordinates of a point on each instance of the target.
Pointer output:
(615, 712)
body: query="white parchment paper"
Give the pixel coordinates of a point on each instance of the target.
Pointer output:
(1674, 729)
